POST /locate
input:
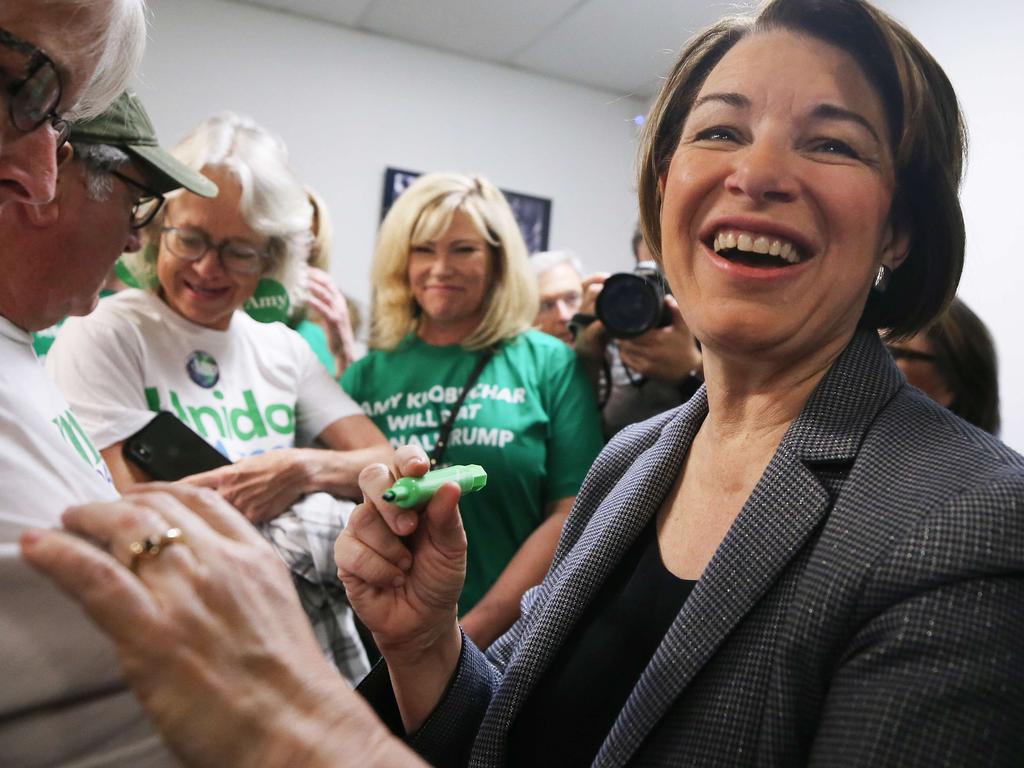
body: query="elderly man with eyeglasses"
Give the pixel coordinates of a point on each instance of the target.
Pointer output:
(60, 686)
(63, 220)
(55, 255)
(111, 188)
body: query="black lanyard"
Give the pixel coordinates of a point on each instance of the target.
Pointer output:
(437, 454)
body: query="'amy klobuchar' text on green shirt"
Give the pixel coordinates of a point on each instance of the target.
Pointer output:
(530, 420)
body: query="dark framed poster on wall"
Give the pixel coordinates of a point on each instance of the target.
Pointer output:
(532, 213)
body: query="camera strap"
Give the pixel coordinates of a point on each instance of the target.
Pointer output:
(437, 454)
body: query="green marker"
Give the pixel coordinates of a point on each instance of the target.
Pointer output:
(413, 491)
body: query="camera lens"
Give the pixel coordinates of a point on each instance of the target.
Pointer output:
(628, 305)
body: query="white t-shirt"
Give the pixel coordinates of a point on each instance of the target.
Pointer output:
(250, 389)
(247, 390)
(62, 701)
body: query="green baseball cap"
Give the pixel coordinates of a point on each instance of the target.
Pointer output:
(126, 125)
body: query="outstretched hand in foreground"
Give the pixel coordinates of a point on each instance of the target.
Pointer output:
(210, 634)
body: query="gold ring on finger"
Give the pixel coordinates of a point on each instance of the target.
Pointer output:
(151, 546)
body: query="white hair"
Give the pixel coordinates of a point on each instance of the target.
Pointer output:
(118, 38)
(273, 202)
(547, 260)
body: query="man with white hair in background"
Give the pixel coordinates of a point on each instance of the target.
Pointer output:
(560, 285)
(62, 699)
(633, 378)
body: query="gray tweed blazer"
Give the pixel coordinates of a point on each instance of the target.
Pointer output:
(865, 608)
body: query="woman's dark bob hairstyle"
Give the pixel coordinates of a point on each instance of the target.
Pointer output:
(926, 130)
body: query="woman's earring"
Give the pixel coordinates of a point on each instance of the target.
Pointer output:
(882, 278)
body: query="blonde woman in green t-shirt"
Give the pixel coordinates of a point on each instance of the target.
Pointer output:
(455, 296)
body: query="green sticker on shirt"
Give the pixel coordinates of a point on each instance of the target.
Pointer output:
(269, 303)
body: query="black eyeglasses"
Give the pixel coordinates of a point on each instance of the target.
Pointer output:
(147, 206)
(34, 98)
(192, 244)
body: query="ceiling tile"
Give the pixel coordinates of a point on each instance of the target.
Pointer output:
(346, 12)
(619, 46)
(623, 46)
(487, 29)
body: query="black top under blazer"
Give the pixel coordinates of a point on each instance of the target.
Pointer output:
(865, 608)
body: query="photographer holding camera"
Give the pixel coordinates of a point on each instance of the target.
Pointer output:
(634, 344)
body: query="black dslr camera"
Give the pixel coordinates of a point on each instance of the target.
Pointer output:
(631, 303)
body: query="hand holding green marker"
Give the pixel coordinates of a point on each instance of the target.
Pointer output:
(413, 491)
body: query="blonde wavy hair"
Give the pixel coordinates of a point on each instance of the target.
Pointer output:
(322, 230)
(423, 213)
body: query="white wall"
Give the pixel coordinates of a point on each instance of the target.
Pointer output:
(350, 104)
(980, 49)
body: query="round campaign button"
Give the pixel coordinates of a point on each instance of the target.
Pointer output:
(203, 369)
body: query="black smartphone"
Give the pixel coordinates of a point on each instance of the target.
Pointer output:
(167, 449)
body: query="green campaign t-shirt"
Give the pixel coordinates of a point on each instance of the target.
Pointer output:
(530, 420)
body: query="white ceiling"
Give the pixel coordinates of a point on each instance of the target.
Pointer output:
(622, 46)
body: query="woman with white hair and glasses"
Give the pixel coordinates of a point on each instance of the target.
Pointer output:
(456, 370)
(254, 391)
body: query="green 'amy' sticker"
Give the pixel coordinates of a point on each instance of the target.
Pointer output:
(268, 303)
